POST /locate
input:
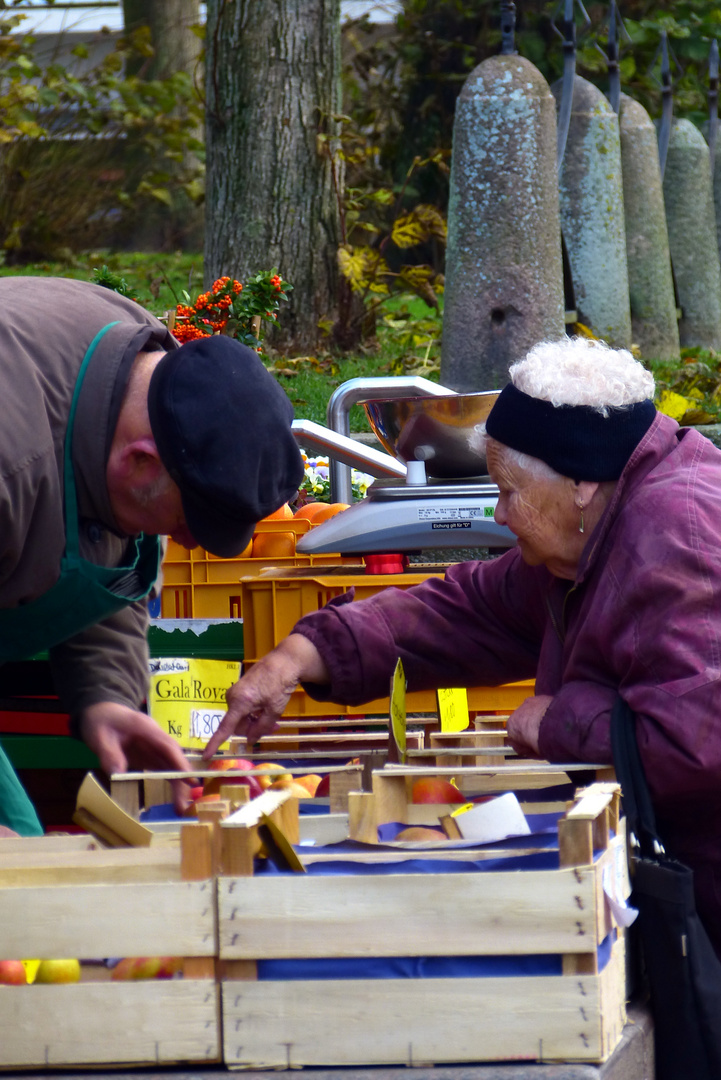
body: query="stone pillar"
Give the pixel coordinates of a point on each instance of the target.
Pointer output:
(504, 275)
(692, 236)
(650, 282)
(592, 215)
(717, 190)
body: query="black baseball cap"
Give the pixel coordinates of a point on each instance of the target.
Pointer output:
(222, 426)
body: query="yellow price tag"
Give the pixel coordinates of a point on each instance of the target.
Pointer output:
(453, 709)
(398, 709)
(31, 969)
(187, 697)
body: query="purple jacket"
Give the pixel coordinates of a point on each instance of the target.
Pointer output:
(643, 618)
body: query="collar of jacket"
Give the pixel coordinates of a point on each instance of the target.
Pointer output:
(660, 440)
(110, 364)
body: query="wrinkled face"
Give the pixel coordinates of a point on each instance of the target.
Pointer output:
(541, 511)
(157, 509)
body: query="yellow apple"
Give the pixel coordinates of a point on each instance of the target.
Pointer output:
(58, 971)
(281, 780)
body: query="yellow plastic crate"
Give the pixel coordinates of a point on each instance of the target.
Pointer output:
(198, 585)
(275, 600)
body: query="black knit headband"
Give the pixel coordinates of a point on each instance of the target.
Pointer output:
(575, 440)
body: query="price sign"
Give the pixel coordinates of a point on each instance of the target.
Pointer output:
(398, 711)
(453, 709)
(187, 697)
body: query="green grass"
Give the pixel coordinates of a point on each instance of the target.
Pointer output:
(406, 325)
(156, 280)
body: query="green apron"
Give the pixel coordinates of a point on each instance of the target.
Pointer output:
(83, 595)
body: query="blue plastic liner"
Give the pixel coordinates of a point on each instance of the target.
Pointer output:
(542, 860)
(421, 967)
(167, 812)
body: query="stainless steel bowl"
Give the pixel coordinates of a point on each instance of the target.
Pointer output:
(444, 432)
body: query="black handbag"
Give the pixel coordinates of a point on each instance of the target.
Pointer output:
(682, 968)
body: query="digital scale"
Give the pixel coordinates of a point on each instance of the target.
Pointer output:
(402, 517)
(407, 509)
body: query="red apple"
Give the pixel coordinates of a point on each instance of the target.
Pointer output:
(212, 784)
(434, 789)
(323, 789)
(12, 973)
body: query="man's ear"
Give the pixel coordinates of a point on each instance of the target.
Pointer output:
(138, 461)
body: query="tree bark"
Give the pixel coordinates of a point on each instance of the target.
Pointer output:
(272, 87)
(176, 47)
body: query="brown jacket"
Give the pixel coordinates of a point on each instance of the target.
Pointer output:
(47, 326)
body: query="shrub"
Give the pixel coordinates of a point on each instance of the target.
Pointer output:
(82, 155)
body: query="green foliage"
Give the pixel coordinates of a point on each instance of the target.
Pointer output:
(110, 280)
(390, 242)
(81, 150)
(691, 391)
(409, 334)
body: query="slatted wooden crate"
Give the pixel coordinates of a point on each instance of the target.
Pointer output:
(66, 897)
(574, 1016)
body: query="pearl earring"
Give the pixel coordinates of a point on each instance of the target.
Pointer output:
(580, 527)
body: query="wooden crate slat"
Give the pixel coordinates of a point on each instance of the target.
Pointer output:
(109, 1023)
(407, 914)
(388, 1021)
(56, 866)
(97, 921)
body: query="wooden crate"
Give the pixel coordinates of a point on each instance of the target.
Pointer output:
(67, 897)
(574, 1016)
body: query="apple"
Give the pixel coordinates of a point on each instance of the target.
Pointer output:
(147, 967)
(299, 790)
(420, 832)
(58, 971)
(323, 789)
(212, 785)
(282, 780)
(310, 782)
(434, 789)
(220, 764)
(12, 973)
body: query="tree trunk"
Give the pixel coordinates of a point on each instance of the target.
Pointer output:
(176, 47)
(272, 87)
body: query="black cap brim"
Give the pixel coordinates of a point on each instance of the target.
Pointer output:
(218, 534)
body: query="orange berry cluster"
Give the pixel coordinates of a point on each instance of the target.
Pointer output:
(220, 311)
(210, 310)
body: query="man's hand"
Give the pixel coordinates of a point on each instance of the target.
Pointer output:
(126, 739)
(524, 725)
(256, 701)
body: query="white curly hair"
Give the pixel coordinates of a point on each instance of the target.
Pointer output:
(581, 371)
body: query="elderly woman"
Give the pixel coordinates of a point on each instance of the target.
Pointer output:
(614, 587)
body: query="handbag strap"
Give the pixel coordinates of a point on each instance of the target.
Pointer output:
(632, 778)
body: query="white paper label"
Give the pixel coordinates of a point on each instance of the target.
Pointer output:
(205, 722)
(614, 886)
